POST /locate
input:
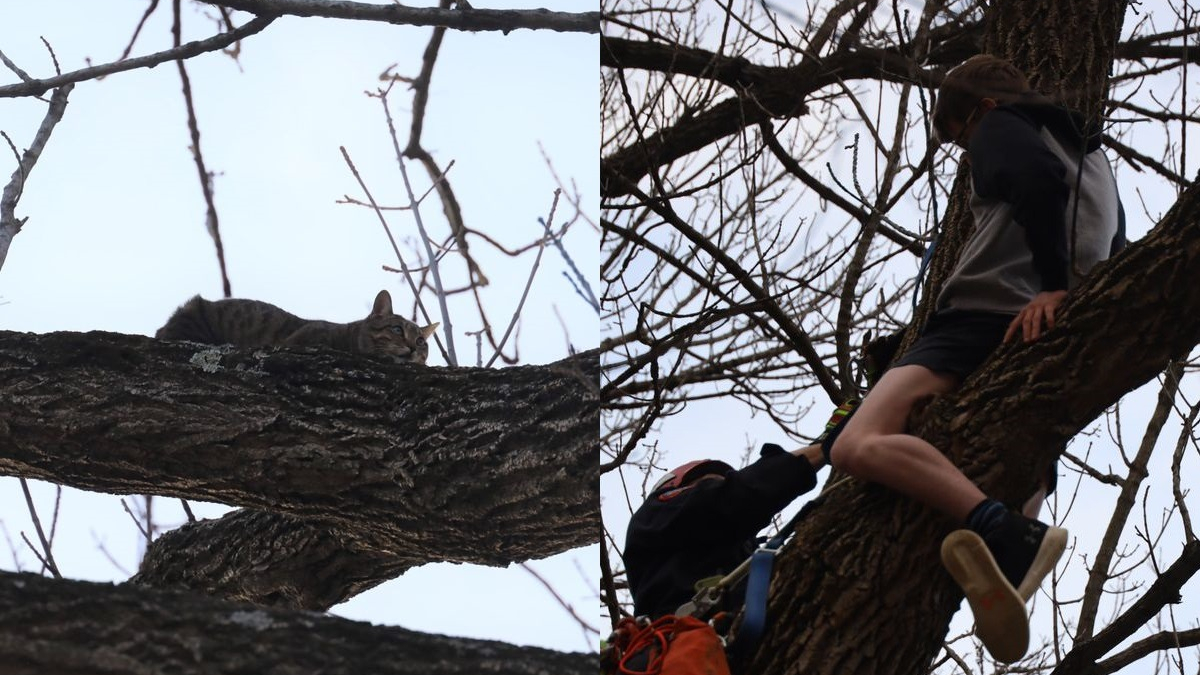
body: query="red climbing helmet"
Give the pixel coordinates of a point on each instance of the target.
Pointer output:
(682, 475)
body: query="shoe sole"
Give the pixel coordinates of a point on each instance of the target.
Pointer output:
(1000, 620)
(1053, 544)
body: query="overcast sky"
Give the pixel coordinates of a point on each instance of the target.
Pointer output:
(116, 233)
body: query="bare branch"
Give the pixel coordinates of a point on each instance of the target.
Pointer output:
(588, 629)
(1164, 590)
(13, 67)
(38, 87)
(460, 18)
(46, 555)
(528, 284)
(9, 224)
(211, 221)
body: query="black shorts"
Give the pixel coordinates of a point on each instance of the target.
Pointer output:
(957, 342)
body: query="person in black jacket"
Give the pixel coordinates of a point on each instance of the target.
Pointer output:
(701, 519)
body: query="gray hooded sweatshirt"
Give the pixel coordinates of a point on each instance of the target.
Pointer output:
(1045, 206)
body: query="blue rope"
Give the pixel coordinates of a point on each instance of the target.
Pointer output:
(924, 268)
(754, 620)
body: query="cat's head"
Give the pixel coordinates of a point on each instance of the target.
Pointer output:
(396, 336)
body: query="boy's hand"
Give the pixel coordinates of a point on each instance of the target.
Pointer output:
(1029, 321)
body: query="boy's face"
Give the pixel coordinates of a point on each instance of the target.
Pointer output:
(960, 132)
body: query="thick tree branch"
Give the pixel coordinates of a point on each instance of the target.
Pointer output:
(419, 456)
(212, 44)
(276, 560)
(137, 630)
(1161, 641)
(463, 17)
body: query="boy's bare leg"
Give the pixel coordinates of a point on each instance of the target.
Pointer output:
(874, 446)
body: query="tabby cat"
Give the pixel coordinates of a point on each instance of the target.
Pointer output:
(251, 323)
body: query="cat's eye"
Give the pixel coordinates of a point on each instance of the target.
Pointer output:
(397, 329)
(420, 340)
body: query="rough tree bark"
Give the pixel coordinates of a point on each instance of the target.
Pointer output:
(274, 559)
(132, 631)
(866, 562)
(378, 466)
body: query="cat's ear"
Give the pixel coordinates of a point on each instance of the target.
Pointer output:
(383, 304)
(426, 331)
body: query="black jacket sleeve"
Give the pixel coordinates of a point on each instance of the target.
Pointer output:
(736, 507)
(1010, 162)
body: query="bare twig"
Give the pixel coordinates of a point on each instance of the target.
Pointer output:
(12, 548)
(187, 509)
(47, 559)
(414, 203)
(588, 629)
(206, 186)
(434, 269)
(1138, 473)
(46, 564)
(528, 283)
(53, 57)
(100, 546)
(37, 87)
(136, 521)
(414, 150)
(13, 67)
(138, 30)
(580, 282)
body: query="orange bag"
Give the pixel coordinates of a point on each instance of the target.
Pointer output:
(672, 645)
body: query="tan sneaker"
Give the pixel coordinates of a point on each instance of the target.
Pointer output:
(1001, 623)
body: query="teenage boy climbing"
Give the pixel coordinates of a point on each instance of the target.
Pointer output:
(1045, 209)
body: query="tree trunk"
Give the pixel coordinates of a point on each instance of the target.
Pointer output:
(865, 563)
(82, 628)
(381, 466)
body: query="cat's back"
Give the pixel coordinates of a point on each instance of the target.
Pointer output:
(235, 321)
